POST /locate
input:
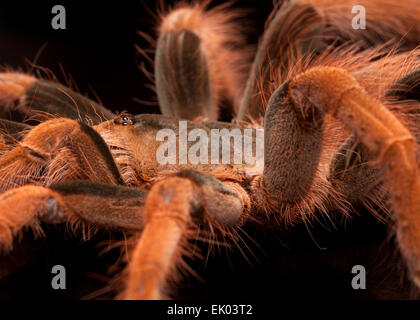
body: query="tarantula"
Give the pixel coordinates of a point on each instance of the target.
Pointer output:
(340, 114)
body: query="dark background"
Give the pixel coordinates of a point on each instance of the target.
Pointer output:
(98, 51)
(98, 47)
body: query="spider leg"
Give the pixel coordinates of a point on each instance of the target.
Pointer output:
(195, 64)
(401, 27)
(78, 202)
(36, 98)
(355, 179)
(186, 94)
(358, 182)
(73, 151)
(296, 160)
(171, 207)
(327, 91)
(406, 88)
(13, 128)
(12, 87)
(10, 133)
(293, 33)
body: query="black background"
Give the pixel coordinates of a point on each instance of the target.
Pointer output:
(98, 51)
(98, 47)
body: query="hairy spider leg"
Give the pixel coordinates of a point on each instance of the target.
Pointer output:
(406, 88)
(11, 133)
(55, 150)
(80, 203)
(386, 21)
(332, 91)
(196, 66)
(39, 100)
(174, 206)
(12, 87)
(294, 32)
(311, 164)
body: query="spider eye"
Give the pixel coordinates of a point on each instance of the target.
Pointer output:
(124, 120)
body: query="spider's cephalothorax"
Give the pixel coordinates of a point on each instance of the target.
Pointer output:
(340, 119)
